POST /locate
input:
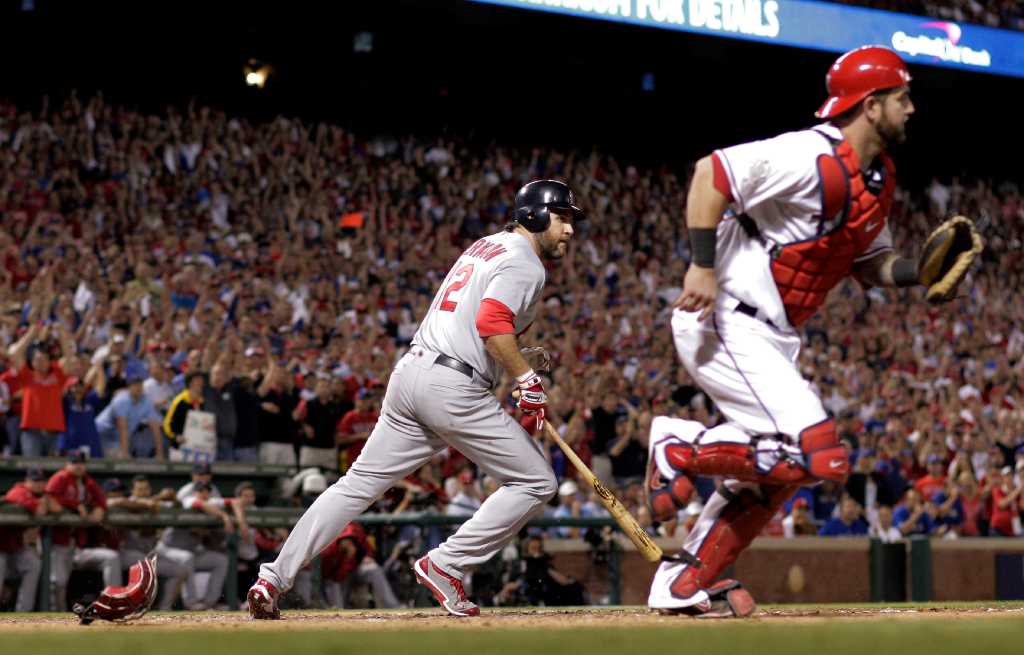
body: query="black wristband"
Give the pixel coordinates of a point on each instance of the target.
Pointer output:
(904, 272)
(702, 246)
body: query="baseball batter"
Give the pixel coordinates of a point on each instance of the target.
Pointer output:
(439, 394)
(774, 225)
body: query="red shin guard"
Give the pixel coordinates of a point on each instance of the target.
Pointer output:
(740, 521)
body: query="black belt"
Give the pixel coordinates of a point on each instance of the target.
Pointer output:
(744, 308)
(455, 365)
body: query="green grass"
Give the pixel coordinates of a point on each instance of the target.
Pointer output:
(987, 634)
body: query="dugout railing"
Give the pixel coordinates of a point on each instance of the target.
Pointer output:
(271, 517)
(800, 570)
(265, 478)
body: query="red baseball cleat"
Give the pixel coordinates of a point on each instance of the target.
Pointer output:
(262, 601)
(445, 587)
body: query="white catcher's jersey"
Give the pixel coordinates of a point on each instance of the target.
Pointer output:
(776, 183)
(501, 266)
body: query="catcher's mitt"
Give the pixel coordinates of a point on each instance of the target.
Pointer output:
(947, 254)
(538, 358)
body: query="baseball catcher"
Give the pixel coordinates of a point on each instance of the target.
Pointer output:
(807, 210)
(123, 604)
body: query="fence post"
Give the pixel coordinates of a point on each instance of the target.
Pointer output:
(614, 573)
(877, 570)
(45, 592)
(920, 569)
(231, 587)
(888, 566)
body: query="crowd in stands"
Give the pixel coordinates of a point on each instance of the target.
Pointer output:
(271, 274)
(1006, 14)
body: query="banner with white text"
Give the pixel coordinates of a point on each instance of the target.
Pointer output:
(807, 24)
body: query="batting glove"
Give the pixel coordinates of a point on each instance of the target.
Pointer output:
(532, 399)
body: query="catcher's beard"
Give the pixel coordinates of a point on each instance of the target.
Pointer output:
(891, 133)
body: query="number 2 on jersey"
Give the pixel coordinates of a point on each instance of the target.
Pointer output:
(459, 280)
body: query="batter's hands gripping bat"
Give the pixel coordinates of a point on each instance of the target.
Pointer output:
(643, 542)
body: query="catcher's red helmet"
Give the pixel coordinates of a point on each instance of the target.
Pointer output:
(128, 602)
(861, 72)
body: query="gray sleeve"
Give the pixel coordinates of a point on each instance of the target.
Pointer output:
(515, 283)
(882, 243)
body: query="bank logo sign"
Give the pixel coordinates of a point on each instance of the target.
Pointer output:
(945, 47)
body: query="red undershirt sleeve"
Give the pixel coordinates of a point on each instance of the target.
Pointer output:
(494, 318)
(720, 179)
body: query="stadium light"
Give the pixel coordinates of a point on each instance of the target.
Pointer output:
(256, 74)
(256, 78)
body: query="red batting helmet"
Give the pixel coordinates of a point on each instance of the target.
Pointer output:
(859, 73)
(124, 603)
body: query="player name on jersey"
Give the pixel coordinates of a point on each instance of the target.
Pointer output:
(485, 250)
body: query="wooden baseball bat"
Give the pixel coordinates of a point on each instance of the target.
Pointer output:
(650, 550)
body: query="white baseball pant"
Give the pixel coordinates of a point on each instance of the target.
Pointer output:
(64, 559)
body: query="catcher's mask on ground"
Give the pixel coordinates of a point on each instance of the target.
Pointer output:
(124, 603)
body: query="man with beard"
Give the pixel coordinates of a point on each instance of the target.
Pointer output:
(440, 395)
(806, 209)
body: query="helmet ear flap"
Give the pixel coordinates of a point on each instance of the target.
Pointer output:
(522, 216)
(534, 219)
(541, 219)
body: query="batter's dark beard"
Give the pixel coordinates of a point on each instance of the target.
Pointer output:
(550, 251)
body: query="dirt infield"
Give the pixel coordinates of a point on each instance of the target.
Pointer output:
(532, 619)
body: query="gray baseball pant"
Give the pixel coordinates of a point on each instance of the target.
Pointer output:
(428, 406)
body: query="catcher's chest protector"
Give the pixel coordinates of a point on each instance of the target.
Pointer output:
(805, 271)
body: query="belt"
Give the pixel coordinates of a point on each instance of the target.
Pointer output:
(455, 365)
(753, 312)
(445, 360)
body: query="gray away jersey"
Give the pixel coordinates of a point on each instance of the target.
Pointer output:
(501, 266)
